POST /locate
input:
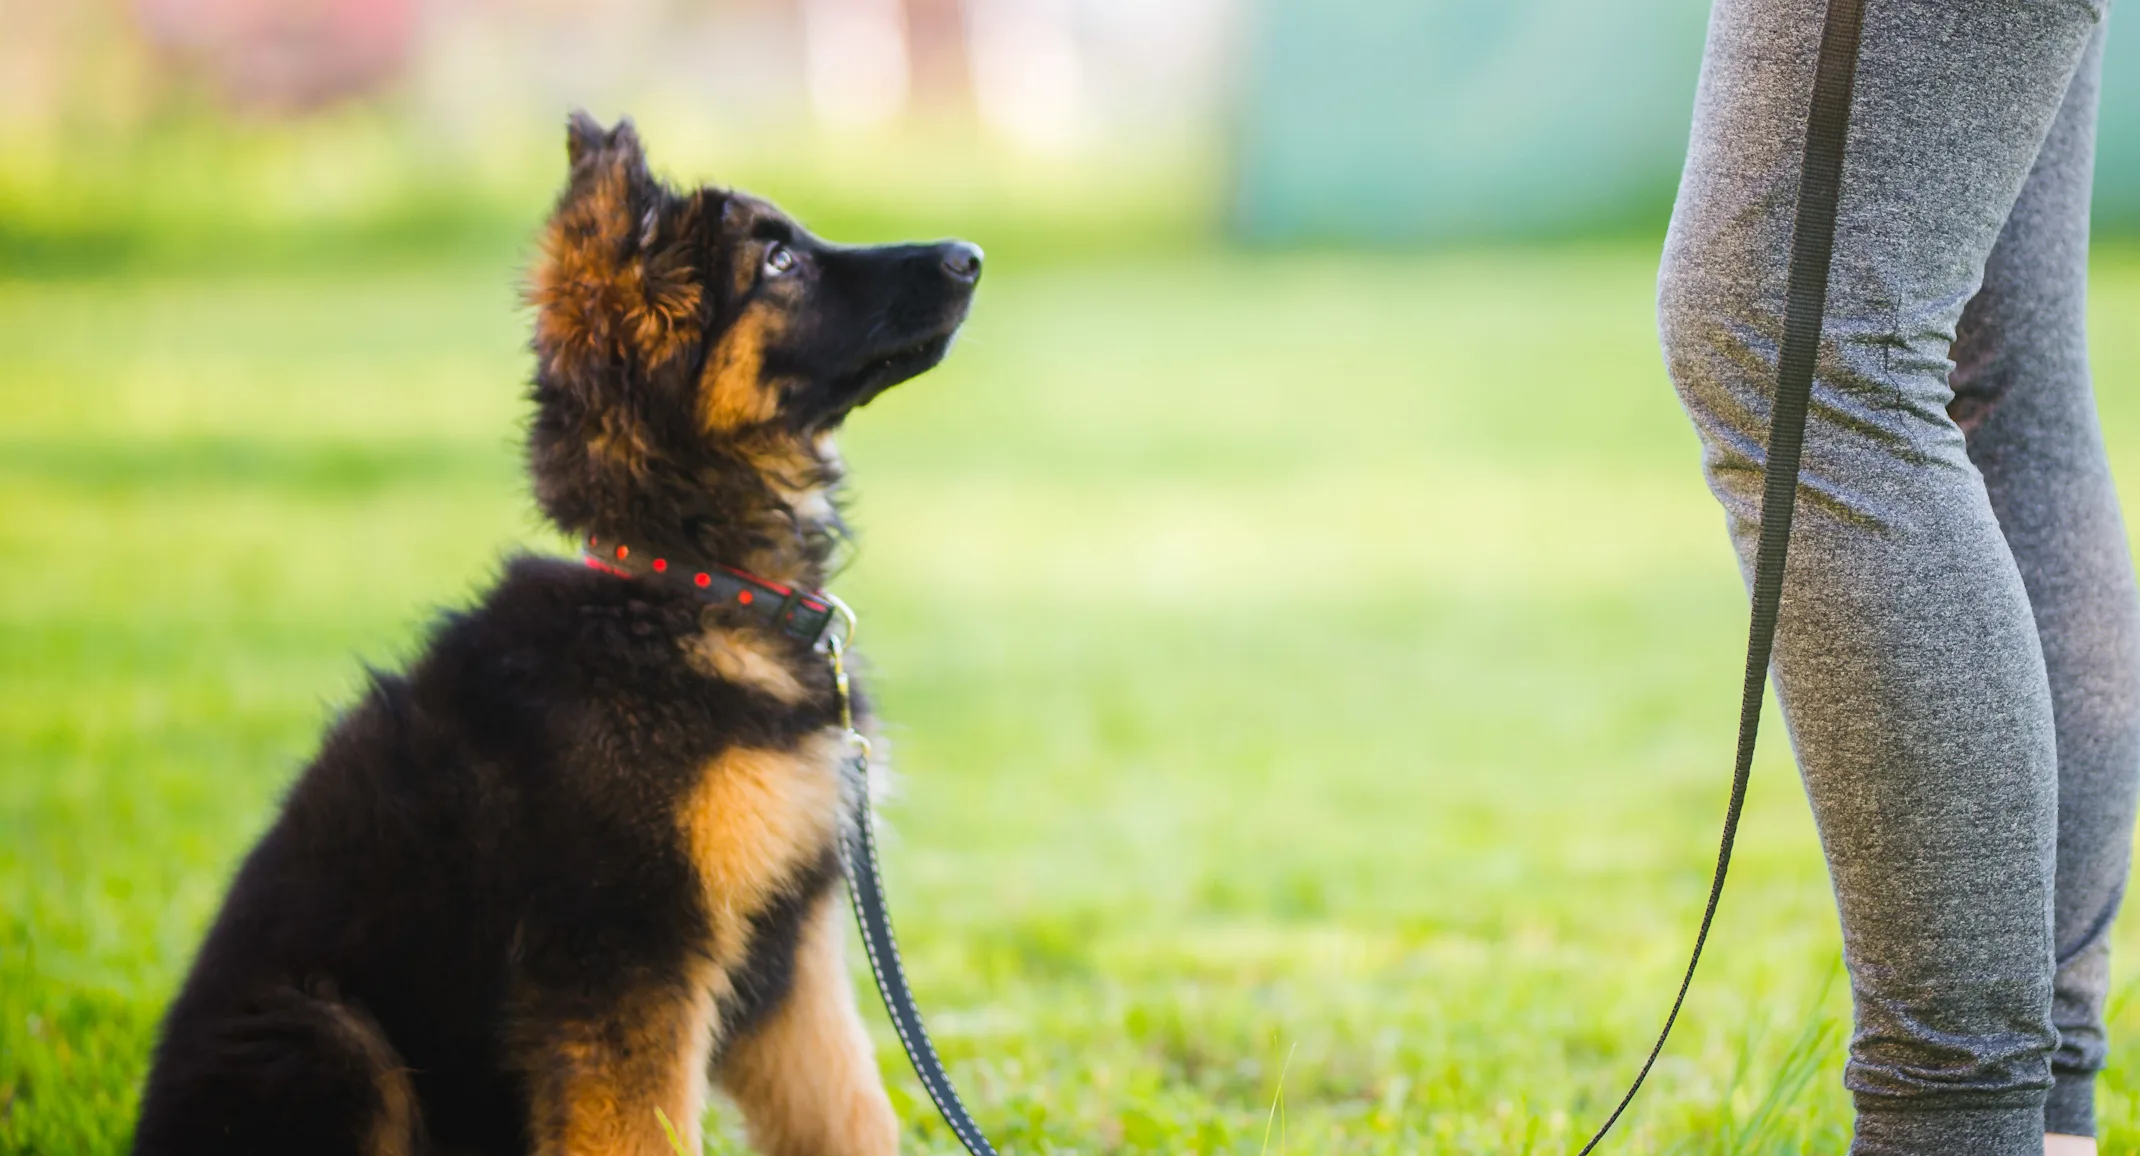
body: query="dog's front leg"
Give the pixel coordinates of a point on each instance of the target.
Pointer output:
(806, 1079)
(600, 1086)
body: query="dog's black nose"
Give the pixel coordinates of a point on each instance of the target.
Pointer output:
(962, 259)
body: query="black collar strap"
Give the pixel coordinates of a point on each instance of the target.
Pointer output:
(784, 608)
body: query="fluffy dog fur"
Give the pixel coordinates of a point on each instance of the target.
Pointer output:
(532, 893)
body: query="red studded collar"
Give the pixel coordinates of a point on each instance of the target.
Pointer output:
(792, 612)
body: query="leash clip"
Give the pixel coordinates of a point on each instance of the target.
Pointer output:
(836, 643)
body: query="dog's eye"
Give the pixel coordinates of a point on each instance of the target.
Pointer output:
(779, 260)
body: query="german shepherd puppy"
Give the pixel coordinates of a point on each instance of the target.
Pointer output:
(532, 894)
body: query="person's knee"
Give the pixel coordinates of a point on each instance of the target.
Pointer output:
(1878, 404)
(1712, 326)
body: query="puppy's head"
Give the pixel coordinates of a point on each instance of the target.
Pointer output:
(682, 336)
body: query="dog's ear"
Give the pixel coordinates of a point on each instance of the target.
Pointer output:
(615, 286)
(584, 135)
(589, 146)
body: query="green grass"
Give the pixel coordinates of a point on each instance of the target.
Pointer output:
(1302, 669)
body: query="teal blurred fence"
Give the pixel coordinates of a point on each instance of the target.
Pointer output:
(1443, 121)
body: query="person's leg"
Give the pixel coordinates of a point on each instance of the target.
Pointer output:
(1907, 660)
(2022, 394)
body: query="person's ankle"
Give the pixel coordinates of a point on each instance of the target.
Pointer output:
(2060, 1144)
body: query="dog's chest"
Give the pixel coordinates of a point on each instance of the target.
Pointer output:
(750, 660)
(757, 820)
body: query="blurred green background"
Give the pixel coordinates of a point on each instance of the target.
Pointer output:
(1311, 671)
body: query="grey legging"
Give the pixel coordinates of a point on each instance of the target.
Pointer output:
(1959, 653)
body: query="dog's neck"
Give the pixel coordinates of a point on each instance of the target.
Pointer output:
(763, 502)
(791, 526)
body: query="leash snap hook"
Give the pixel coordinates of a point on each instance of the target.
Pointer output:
(836, 643)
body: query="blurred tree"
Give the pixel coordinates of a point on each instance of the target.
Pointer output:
(283, 55)
(936, 45)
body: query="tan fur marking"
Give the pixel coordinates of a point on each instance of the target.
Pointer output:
(594, 297)
(756, 818)
(747, 658)
(665, 322)
(807, 1078)
(394, 1133)
(733, 392)
(394, 1129)
(596, 1086)
(576, 284)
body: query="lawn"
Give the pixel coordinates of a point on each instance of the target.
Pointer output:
(1311, 679)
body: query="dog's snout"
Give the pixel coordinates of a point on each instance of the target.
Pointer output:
(962, 260)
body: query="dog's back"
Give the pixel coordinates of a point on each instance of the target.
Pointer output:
(498, 827)
(363, 950)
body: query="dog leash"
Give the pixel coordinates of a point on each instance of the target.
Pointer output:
(865, 891)
(1805, 301)
(1806, 293)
